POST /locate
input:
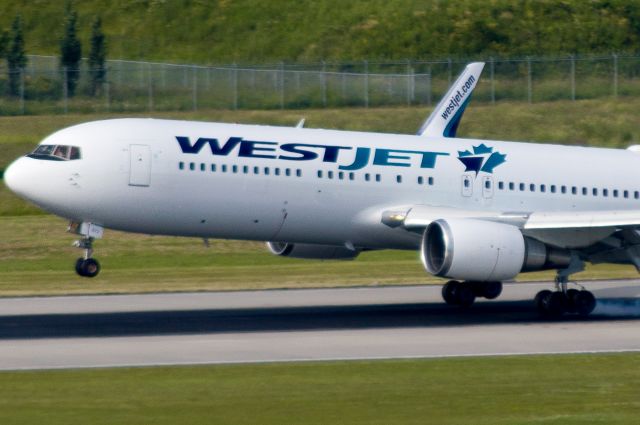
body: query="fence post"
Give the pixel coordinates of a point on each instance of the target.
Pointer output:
(449, 70)
(529, 82)
(366, 84)
(408, 82)
(573, 77)
(194, 71)
(141, 74)
(615, 75)
(281, 81)
(107, 95)
(493, 81)
(65, 88)
(21, 70)
(235, 86)
(150, 88)
(429, 80)
(324, 84)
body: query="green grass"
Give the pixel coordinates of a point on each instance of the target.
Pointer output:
(585, 389)
(605, 122)
(36, 258)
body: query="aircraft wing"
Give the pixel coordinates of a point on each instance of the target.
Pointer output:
(420, 216)
(601, 236)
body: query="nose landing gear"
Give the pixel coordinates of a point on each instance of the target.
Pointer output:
(86, 266)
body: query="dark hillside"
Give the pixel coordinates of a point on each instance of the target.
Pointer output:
(257, 31)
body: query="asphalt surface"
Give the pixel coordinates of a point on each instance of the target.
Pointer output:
(303, 325)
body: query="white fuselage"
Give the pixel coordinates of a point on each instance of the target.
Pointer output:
(306, 185)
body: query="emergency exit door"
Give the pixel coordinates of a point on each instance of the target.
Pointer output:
(140, 168)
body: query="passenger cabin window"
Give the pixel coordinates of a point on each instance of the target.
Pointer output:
(56, 153)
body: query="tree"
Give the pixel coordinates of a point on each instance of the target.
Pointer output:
(70, 50)
(16, 58)
(97, 56)
(4, 41)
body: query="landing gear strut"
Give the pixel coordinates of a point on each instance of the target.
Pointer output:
(86, 266)
(464, 293)
(554, 304)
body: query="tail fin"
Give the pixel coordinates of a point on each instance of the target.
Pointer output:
(445, 118)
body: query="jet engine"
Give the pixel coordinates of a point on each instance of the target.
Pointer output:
(477, 250)
(311, 251)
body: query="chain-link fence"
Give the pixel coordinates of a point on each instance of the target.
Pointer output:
(43, 87)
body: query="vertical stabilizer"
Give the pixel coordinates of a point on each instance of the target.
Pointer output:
(445, 118)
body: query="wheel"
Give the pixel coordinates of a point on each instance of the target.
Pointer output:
(90, 268)
(555, 305)
(449, 291)
(584, 303)
(465, 295)
(540, 300)
(491, 290)
(79, 263)
(572, 302)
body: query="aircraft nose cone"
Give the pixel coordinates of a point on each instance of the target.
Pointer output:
(20, 178)
(12, 177)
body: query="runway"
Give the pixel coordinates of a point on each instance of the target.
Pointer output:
(302, 325)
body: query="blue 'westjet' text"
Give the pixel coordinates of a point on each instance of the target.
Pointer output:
(309, 152)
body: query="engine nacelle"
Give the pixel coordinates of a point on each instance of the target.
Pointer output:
(468, 249)
(311, 251)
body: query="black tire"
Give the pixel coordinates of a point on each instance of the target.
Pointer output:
(90, 267)
(572, 300)
(79, 263)
(465, 294)
(491, 290)
(585, 302)
(449, 292)
(556, 304)
(541, 300)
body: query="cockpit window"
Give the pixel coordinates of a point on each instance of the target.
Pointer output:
(56, 152)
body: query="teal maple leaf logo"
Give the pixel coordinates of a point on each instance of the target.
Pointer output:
(483, 158)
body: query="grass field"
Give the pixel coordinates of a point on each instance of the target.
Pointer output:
(36, 258)
(586, 389)
(606, 122)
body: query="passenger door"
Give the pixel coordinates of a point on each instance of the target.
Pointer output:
(140, 165)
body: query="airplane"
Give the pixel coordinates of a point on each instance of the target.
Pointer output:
(479, 212)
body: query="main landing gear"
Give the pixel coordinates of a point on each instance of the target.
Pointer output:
(554, 304)
(465, 293)
(86, 266)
